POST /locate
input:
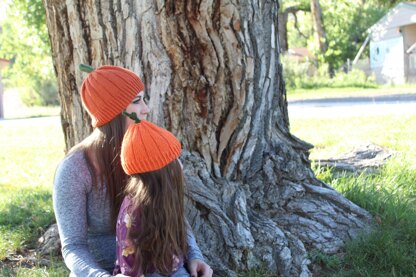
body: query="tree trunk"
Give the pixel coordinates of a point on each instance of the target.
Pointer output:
(212, 71)
(318, 25)
(1, 98)
(282, 31)
(282, 25)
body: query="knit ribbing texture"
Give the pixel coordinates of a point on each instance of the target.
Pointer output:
(147, 147)
(107, 91)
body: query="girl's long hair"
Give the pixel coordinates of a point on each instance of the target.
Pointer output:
(157, 199)
(105, 144)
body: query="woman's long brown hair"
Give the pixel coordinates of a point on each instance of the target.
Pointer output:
(105, 144)
(157, 200)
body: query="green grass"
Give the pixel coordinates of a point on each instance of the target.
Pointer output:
(28, 160)
(390, 195)
(55, 269)
(30, 154)
(23, 215)
(300, 94)
(332, 136)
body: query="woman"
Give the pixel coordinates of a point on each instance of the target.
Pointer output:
(89, 181)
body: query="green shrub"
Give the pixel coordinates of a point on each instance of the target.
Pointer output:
(305, 75)
(48, 92)
(29, 97)
(35, 91)
(354, 78)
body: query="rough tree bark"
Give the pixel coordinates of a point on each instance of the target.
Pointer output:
(282, 31)
(212, 71)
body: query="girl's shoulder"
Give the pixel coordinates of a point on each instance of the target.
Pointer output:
(125, 205)
(128, 217)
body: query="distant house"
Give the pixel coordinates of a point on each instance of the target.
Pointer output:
(3, 63)
(299, 54)
(393, 45)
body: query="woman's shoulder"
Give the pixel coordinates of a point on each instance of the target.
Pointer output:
(73, 167)
(73, 162)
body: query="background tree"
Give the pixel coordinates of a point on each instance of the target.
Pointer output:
(318, 26)
(212, 71)
(345, 24)
(292, 8)
(383, 3)
(24, 39)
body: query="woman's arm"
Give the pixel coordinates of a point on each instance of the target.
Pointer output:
(70, 206)
(194, 253)
(196, 263)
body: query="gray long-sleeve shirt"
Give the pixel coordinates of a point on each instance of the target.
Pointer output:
(83, 214)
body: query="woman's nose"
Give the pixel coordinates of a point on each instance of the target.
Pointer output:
(146, 109)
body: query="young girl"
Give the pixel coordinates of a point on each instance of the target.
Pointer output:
(151, 229)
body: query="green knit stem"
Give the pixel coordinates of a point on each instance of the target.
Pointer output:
(86, 68)
(132, 116)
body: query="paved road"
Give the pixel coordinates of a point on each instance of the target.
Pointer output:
(354, 106)
(31, 121)
(333, 107)
(378, 99)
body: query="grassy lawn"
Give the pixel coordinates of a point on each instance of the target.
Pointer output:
(298, 94)
(28, 160)
(332, 136)
(389, 195)
(30, 154)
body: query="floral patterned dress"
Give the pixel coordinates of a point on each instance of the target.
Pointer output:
(125, 248)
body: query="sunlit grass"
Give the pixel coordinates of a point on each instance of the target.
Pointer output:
(332, 136)
(28, 159)
(389, 195)
(30, 154)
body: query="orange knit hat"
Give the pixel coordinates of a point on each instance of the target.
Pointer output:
(107, 91)
(147, 147)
